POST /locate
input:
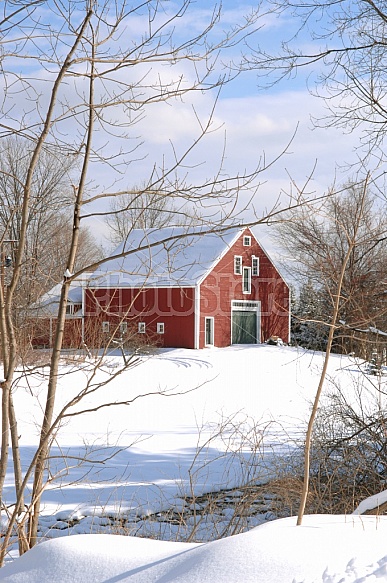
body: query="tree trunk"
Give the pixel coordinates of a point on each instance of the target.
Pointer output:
(337, 297)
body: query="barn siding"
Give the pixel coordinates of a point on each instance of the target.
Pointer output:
(222, 286)
(174, 307)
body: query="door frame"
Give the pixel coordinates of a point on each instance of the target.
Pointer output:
(210, 320)
(247, 306)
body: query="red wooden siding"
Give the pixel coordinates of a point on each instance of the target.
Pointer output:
(173, 307)
(222, 286)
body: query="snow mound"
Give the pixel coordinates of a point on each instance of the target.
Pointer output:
(325, 549)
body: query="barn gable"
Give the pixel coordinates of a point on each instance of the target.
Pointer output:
(243, 299)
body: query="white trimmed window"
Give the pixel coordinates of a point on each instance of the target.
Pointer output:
(246, 241)
(160, 328)
(255, 265)
(141, 327)
(72, 309)
(238, 264)
(123, 327)
(209, 331)
(106, 327)
(247, 280)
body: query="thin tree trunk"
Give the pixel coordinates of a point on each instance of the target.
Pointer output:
(4, 432)
(337, 298)
(4, 387)
(7, 331)
(44, 445)
(17, 470)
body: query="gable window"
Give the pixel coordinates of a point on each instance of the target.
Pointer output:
(246, 241)
(141, 327)
(238, 264)
(160, 327)
(247, 280)
(255, 265)
(105, 327)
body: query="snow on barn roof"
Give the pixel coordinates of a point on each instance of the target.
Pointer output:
(165, 257)
(47, 305)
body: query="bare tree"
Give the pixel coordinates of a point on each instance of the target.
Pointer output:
(352, 237)
(340, 47)
(144, 209)
(90, 73)
(49, 221)
(90, 82)
(318, 243)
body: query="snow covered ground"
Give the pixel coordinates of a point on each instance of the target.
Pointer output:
(170, 447)
(325, 549)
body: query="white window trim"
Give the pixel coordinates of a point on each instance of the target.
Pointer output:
(238, 268)
(245, 305)
(211, 343)
(123, 327)
(106, 327)
(254, 265)
(141, 327)
(160, 327)
(246, 241)
(246, 270)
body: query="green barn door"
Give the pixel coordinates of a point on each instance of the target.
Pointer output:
(244, 327)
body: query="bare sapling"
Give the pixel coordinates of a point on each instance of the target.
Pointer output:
(336, 294)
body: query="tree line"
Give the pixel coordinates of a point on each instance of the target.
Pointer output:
(317, 241)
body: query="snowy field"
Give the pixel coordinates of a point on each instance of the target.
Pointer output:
(204, 419)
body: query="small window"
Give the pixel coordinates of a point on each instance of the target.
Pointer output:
(247, 280)
(141, 327)
(160, 327)
(123, 327)
(105, 327)
(255, 265)
(246, 241)
(209, 331)
(238, 265)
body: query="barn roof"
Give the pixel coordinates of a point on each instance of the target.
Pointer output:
(165, 257)
(48, 304)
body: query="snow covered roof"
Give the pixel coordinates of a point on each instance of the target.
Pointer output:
(165, 257)
(47, 305)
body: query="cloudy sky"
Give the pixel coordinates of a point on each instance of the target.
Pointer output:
(250, 126)
(252, 123)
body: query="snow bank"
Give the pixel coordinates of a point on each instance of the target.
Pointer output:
(328, 549)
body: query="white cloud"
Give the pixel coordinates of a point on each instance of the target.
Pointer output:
(253, 127)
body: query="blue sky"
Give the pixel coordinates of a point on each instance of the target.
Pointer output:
(253, 124)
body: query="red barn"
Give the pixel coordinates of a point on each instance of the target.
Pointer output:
(189, 291)
(43, 314)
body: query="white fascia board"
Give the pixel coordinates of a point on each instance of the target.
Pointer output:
(83, 316)
(143, 287)
(197, 317)
(289, 316)
(273, 262)
(226, 250)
